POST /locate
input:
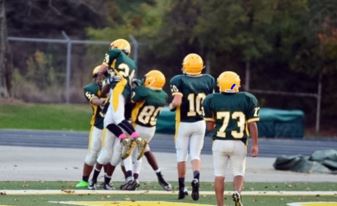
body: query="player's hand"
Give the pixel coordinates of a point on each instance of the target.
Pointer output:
(172, 108)
(254, 150)
(102, 101)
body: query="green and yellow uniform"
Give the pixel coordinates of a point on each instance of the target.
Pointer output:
(90, 91)
(148, 103)
(121, 64)
(231, 113)
(193, 89)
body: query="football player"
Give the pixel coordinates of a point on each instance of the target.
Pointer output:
(189, 90)
(234, 115)
(93, 93)
(121, 69)
(148, 100)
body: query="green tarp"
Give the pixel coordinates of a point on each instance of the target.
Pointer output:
(322, 161)
(273, 123)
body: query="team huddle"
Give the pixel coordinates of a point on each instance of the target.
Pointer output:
(125, 112)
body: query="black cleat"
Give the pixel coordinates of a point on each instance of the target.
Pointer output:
(92, 185)
(107, 186)
(237, 199)
(195, 189)
(182, 193)
(165, 185)
(129, 185)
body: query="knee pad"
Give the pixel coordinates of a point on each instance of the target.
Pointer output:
(90, 159)
(104, 157)
(181, 155)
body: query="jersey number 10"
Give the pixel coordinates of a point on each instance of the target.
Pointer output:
(195, 104)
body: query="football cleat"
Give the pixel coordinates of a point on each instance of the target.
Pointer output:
(92, 186)
(107, 186)
(129, 185)
(127, 148)
(182, 193)
(141, 145)
(229, 82)
(137, 183)
(237, 199)
(154, 79)
(82, 184)
(165, 185)
(195, 189)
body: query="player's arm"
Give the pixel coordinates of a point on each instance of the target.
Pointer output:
(209, 117)
(176, 101)
(253, 117)
(176, 93)
(138, 94)
(106, 82)
(110, 56)
(98, 101)
(91, 96)
(252, 127)
(93, 99)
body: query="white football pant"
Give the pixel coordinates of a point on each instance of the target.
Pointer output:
(94, 145)
(231, 152)
(190, 140)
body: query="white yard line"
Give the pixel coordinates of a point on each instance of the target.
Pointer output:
(158, 192)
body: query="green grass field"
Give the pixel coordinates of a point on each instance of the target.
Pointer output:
(134, 199)
(76, 118)
(45, 116)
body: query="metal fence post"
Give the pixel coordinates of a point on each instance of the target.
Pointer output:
(318, 104)
(68, 69)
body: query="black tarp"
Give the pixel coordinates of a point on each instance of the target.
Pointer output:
(321, 161)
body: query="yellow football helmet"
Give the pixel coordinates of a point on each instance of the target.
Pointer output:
(121, 44)
(154, 79)
(192, 64)
(229, 82)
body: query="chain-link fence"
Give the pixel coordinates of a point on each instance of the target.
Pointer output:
(52, 70)
(55, 71)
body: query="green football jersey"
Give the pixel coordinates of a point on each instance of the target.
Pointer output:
(119, 62)
(231, 113)
(148, 103)
(90, 91)
(193, 89)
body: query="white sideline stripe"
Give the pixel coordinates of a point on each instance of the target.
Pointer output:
(158, 192)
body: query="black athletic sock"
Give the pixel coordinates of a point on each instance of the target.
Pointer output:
(95, 175)
(114, 129)
(107, 179)
(128, 174)
(135, 176)
(181, 181)
(85, 178)
(196, 175)
(127, 127)
(159, 174)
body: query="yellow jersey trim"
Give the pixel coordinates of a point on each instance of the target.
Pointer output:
(256, 119)
(177, 93)
(209, 119)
